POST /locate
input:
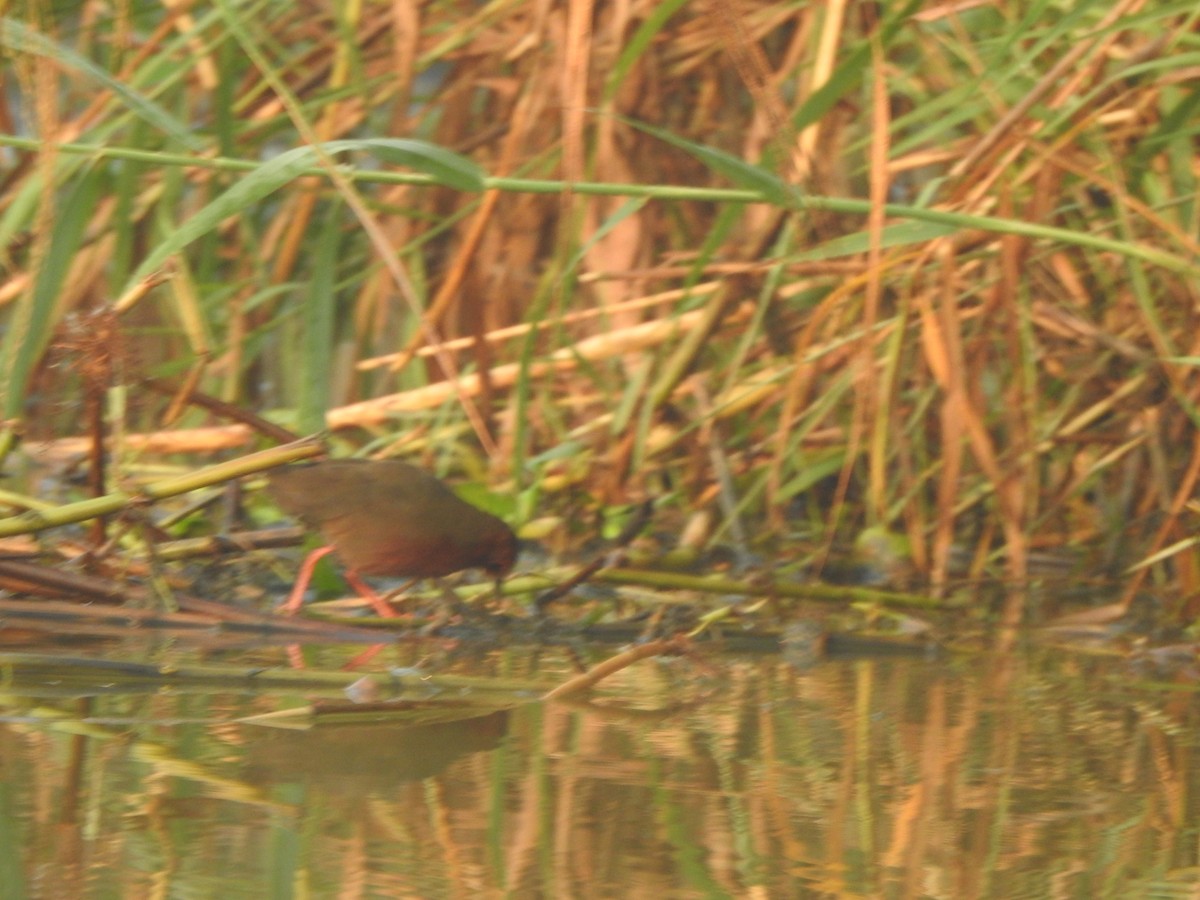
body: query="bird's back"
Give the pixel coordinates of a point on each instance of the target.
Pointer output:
(386, 517)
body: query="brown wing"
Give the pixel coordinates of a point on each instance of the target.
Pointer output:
(386, 517)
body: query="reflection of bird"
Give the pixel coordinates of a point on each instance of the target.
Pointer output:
(386, 517)
(349, 761)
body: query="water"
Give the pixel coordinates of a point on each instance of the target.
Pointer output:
(1041, 773)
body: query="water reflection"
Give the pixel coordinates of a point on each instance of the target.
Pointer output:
(355, 761)
(1037, 775)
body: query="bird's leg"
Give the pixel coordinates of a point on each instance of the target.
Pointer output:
(368, 593)
(303, 577)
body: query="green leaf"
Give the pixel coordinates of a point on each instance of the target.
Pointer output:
(446, 167)
(896, 235)
(38, 311)
(660, 13)
(18, 37)
(747, 176)
(249, 190)
(319, 326)
(442, 165)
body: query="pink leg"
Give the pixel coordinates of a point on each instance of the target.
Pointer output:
(296, 597)
(368, 593)
(363, 658)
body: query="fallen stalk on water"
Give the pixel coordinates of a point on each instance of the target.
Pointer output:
(614, 664)
(757, 587)
(259, 678)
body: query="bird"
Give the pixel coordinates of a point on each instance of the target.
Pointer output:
(388, 517)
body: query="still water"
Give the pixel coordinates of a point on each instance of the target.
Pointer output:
(1043, 773)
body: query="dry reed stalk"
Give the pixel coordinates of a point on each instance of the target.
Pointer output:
(599, 347)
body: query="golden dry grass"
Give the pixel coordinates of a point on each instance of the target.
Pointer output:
(935, 271)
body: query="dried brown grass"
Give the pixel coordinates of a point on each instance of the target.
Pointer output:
(986, 384)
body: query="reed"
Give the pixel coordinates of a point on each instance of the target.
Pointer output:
(825, 268)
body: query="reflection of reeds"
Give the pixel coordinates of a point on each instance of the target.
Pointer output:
(162, 758)
(1020, 777)
(927, 275)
